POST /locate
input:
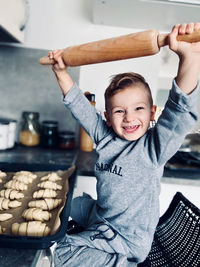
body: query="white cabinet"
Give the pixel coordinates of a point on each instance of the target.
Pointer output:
(168, 190)
(13, 16)
(86, 184)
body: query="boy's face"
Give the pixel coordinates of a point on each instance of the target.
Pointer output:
(130, 113)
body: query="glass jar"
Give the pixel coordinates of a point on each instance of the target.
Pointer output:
(30, 129)
(66, 140)
(49, 134)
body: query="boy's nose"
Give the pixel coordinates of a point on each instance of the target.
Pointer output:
(129, 117)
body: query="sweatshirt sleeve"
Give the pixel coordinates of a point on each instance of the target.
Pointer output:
(176, 121)
(85, 113)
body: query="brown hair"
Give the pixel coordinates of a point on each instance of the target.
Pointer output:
(124, 80)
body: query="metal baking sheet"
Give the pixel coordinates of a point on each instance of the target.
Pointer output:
(10, 241)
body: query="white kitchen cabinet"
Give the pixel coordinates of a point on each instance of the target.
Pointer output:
(86, 184)
(168, 190)
(13, 16)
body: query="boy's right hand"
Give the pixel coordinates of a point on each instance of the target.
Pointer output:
(64, 80)
(59, 64)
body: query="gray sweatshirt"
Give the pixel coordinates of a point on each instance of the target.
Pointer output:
(128, 172)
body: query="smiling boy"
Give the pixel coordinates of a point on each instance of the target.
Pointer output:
(119, 226)
(129, 106)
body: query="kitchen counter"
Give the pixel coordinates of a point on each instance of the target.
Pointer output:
(36, 156)
(28, 157)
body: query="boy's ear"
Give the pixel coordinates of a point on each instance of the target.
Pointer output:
(107, 119)
(153, 112)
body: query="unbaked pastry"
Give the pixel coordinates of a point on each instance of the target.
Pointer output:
(45, 193)
(13, 184)
(50, 185)
(45, 204)
(2, 174)
(27, 173)
(11, 194)
(36, 214)
(6, 204)
(5, 216)
(32, 228)
(23, 178)
(53, 176)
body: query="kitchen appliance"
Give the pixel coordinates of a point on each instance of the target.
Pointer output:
(133, 45)
(186, 161)
(28, 242)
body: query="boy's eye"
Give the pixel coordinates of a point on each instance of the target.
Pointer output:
(119, 111)
(139, 108)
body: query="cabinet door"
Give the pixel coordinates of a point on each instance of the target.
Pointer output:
(86, 184)
(13, 16)
(169, 190)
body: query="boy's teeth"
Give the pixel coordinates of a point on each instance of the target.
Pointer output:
(131, 127)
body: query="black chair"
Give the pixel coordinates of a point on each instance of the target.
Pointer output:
(177, 238)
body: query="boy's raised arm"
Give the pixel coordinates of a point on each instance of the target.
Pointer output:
(60, 69)
(189, 57)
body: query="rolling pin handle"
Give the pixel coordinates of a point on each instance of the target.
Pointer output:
(46, 61)
(162, 40)
(189, 38)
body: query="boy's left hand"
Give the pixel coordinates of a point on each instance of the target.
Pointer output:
(181, 48)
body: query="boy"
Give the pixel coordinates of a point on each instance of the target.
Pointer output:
(120, 225)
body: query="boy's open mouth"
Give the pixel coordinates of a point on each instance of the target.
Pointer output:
(131, 129)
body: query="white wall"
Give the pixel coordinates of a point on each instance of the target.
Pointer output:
(58, 24)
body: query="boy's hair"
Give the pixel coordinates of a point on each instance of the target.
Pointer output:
(124, 80)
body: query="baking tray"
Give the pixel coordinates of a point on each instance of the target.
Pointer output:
(28, 242)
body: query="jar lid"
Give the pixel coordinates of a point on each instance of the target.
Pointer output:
(4, 122)
(66, 134)
(50, 123)
(30, 115)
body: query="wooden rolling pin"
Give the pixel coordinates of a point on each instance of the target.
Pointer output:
(133, 45)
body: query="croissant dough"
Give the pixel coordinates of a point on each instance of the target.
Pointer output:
(27, 173)
(32, 228)
(45, 193)
(53, 176)
(50, 185)
(44, 207)
(6, 204)
(23, 178)
(2, 174)
(45, 204)
(11, 194)
(36, 214)
(13, 184)
(5, 217)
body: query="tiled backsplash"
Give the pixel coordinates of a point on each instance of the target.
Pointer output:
(25, 85)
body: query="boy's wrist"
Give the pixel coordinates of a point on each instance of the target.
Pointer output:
(65, 81)
(188, 73)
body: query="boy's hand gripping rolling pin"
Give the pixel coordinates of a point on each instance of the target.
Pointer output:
(133, 45)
